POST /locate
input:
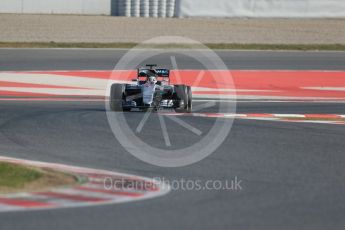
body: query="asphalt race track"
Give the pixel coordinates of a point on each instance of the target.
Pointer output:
(84, 59)
(292, 173)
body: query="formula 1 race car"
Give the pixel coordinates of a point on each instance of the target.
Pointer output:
(151, 90)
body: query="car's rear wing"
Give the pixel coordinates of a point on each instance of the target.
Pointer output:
(163, 72)
(160, 72)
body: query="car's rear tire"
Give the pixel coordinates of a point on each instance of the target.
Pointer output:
(116, 97)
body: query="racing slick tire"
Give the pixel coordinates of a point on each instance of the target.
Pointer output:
(116, 97)
(184, 93)
(189, 99)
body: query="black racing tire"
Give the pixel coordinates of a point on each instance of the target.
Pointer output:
(181, 93)
(116, 97)
(189, 99)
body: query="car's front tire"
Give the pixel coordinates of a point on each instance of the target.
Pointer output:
(116, 97)
(184, 93)
(189, 99)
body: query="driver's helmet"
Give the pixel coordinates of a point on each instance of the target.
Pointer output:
(151, 76)
(152, 80)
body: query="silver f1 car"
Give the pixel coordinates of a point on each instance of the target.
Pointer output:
(151, 90)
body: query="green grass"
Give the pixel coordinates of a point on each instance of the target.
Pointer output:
(301, 47)
(233, 46)
(16, 176)
(64, 45)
